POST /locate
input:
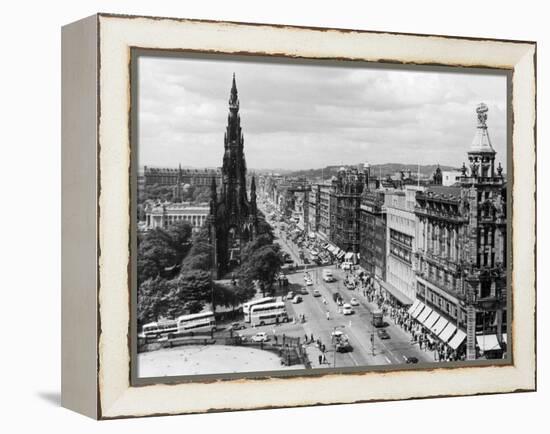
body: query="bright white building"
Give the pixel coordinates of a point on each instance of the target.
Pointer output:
(449, 177)
(165, 214)
(400, 244)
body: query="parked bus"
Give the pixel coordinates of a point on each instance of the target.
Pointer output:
(377, 318)
(270, 313)
(247, 306)
(204, 321)
(159, 328)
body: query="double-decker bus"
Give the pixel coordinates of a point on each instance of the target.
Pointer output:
(196, 322)
(270, 313)
(247, 306)
(159, 328)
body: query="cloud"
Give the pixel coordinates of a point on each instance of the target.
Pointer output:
(297, 115)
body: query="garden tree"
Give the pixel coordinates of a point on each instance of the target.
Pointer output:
(191, 290)
(160, 249)
(200, 254)
(264, 228)
(227, 295)
(179, 236)
(254, 245)
(262, 265)
(156, 192)
(153, 301)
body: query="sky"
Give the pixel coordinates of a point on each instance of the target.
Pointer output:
(303, 116)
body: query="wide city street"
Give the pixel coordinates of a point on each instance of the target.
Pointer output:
(367, 348)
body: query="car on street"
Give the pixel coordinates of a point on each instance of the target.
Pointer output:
(327, 275)
(336, 335)
(260, 337)
(309, 282)
(238, 326)
(343, 345)
(347, 309)
(290, 295)
(304, 291)
(410, 360)
(354, 302)
(382, 334)
(316, 293)
(297, 299)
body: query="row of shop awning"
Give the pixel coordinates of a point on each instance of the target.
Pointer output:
(448, 332)
(438, 325)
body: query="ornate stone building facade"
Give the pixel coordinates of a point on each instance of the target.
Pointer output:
(164, 215)
(173, 176)
(345, 208)
(233, 218)
(461, 248)
(372, 248)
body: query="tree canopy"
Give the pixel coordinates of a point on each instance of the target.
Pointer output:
(159, 250)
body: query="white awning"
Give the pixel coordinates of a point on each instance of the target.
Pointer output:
(488, 342)
(432, 319)
(413, 307)
(447, 332)
(348, 256)
(419, 309)
(439, 325)
(422, 317)
(457, 339)
(428, 318)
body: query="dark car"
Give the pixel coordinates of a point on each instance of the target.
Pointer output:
(237, 326)
(383, 334)
(410, 360)
(343, 346)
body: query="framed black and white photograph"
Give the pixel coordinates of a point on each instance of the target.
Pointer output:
(287, 216)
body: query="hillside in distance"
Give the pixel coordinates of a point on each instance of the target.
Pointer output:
(375, 170)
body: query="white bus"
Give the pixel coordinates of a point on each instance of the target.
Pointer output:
(270, 313)
(248, 306)
(159, 328)
(204, 321)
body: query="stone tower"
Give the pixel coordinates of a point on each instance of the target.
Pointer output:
(485, 250)
(233, 218)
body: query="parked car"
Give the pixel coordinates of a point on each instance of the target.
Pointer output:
(260, 337)
(382, 334)
(309, 282)
(354, 302)
(410, 360)
(304, 291)
(316, 293)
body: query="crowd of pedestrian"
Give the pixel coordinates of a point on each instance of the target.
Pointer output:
(401, 317)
